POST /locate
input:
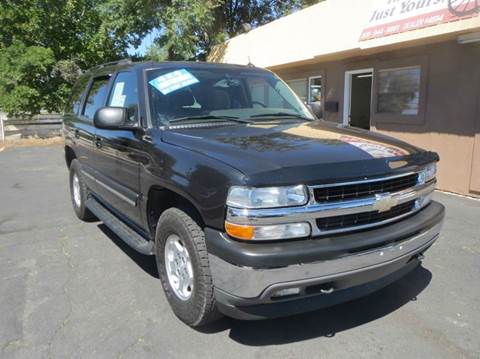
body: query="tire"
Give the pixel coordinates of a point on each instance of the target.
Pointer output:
(197, 307)
(79, 193)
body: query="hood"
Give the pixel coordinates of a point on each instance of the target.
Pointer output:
(309, 152)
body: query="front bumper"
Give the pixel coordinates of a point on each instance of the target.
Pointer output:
(248, 292)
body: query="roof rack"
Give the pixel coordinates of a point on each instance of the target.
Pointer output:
(118, 62)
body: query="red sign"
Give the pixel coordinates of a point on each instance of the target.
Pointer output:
(390, 17)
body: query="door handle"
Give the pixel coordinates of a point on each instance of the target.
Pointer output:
(98, 142)
(77, 133)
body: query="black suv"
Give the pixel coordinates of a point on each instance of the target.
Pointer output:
(252, 206)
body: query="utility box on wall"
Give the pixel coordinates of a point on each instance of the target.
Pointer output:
(331, 106)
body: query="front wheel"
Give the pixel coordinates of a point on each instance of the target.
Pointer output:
(183, 268)
(79, 193)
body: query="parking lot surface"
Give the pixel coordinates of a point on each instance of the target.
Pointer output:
(73, 289)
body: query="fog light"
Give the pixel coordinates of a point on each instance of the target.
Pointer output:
(282, 231)
(286, 292)
(271, 232)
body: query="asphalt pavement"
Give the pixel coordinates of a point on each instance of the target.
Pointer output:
(73, 289)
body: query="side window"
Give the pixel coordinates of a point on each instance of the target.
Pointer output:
(125, 94)
(76, 96)
(96, 97)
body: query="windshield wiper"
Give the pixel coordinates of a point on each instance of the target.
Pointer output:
(209, 117)
(282, 114)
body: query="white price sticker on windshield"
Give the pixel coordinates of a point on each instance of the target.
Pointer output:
(173, 81)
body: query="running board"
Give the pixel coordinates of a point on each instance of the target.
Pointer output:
(126, 234)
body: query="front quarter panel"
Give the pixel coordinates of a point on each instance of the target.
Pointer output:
(200, 179)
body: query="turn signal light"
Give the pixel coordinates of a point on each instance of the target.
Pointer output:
(239, 231)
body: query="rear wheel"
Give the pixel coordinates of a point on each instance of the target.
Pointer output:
(79, 193)
(183, 267)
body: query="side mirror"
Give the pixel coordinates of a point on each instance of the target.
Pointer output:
(112, 118)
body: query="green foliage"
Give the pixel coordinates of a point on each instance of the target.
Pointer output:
(187, 28)
(45, 43)
(24, 74)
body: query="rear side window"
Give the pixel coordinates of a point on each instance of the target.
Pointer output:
(76, 96)
(96, 96)
(124, 93)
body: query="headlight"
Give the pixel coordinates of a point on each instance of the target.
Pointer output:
(428, 173)
(267, 197)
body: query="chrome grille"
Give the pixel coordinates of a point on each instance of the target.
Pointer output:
(365, 218)
(358, 205)
(333, 193)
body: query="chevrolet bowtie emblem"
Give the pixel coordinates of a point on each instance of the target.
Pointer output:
(384, 202)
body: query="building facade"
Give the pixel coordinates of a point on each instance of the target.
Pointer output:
(406, 68)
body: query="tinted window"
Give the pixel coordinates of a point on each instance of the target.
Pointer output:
(76, 97)
(263, 94)
(125, 93)
(299, 86)
(250, 94)
(96, 96)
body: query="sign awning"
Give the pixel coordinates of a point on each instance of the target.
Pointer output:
(389, 17)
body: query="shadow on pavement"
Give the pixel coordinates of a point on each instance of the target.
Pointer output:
(322, 323)
(147, 263)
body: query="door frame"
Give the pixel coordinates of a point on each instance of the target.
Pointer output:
(347, 92)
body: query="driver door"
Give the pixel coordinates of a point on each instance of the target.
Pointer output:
(118, 153)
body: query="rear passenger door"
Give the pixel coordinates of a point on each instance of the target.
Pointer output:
(84, 131)
(119, 152)
(78, 132)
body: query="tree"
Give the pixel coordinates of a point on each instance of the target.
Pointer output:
(24, 76)
(188, 28)
(44, 44)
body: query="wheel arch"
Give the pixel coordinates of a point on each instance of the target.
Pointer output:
(160, 199)
(69, 155)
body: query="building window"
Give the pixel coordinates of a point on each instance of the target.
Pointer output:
(399, 91)
(315, 89)
(299, 86)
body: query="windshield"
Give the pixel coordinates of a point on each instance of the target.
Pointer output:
(206, 94)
